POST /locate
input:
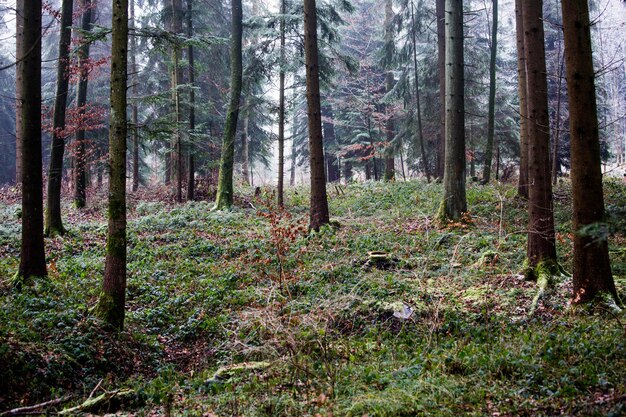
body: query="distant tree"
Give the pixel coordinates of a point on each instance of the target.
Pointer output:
(454, 202)
(522, 187)
(318, 213)
(19, 40)
(176, 81)
(541, 251)
(191, 74)
(592, 267)
(390, 169)
(441, 61)
(80, 158)
(111, 305)
(281, 108)
(134, 79)
(53, 221)
(492, 94)
(224, 199)
(32, 256)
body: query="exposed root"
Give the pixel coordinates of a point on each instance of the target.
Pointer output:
(544, 273)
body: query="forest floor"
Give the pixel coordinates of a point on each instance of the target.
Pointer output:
(242, 313)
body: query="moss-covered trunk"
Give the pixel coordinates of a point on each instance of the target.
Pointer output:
(454, 203)
(53, 221)
(541, 244)
(32, 256)
(111, 305)
(592, 268)
(318, 212)
(224, 199)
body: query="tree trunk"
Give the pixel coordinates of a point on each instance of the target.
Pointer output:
(557, 122)
(318, 214)
(80, 179)
(441, 63)
(541, 244)
(592, 268)
(224, 199)
(177, 80)
(281, 108)
(492, 96)
(294, 153)
(19, 44)
(522, 186)
(111, 305)
(53, 221)
(191, 180)
(418, 106)
(32, 256)
(330, 143)
(134, 137)
(454, 203)
(245, 142)
(390, 168)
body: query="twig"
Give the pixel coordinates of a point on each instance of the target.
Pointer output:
(29, 410)
(95, 389)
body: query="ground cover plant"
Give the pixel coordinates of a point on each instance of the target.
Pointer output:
(383, 313)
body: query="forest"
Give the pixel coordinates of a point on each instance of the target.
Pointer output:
(316, 208)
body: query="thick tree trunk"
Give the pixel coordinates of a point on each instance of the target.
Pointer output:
(522, 186)
(592, 268)
(111, 305)
(53, 221)
(32, 256)
(491, 122)
(80, 178)
(454, 203)
(441, 63)
(541, 244)
(191, 180)
(318, 214)
(224, 199)
(281, 108)
(134, 137)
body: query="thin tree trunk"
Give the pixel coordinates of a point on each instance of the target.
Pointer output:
(281, 108)
(19, 41)
(418, 107)
(441, 63)
(80, 179)
(53, 221)
(522, 186)
(32, 256)
(592, 267)
(111, 305)
(134, 137)
(557, 123)
(541, 243)
(191, 180)
(177, 80)
(245, 142)
(491, 123)
(330, 142)
(294, 153)
(318, 214)
(224, 199)
(454, 202)
(390, 168)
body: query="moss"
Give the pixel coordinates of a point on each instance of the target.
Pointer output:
(108, 311)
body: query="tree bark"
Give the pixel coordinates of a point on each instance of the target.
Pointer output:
(53, 221)
(592, 268)
(32, 256)
(390, 166)
(281, 109)
(441, 62)
(134, 137)
(80, 178)
(191, 180)
(19, 44)
(224, 199)
(522, 185)
(318, 214)
(111, 305)
(454, 203)
(541, 244)
(491, 123)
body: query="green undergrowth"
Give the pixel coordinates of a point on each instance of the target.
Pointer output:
(440, 328)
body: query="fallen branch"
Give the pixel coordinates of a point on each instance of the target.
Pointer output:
(21, 411)
(109, 401)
